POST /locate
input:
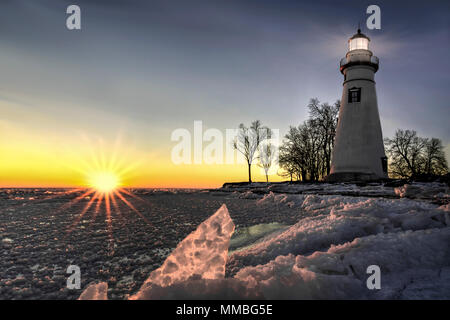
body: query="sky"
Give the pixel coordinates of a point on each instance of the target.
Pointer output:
(112, 93)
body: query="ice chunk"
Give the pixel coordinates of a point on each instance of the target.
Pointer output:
(307, 236)
(201, 255)
(95, 291)
(414, 264)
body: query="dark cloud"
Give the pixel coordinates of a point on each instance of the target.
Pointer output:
(224, 61)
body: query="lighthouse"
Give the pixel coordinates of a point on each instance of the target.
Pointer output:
(358, 153)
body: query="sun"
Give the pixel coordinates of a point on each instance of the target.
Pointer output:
(104, 182)
(103, 188)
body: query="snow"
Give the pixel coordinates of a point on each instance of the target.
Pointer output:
(340, 272)
(247, 195)
(429, 190)
(423, 190)
(332, 220)
(324, 255)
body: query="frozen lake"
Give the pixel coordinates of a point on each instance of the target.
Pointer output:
(291, 241)
(36, 250)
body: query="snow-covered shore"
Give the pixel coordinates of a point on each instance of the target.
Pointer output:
(418, 190)
(404, 230)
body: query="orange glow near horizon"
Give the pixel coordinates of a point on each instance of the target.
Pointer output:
(48, 168)
(49, 160)
(152, 175)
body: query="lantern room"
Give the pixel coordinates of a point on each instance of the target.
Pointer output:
(358, 42)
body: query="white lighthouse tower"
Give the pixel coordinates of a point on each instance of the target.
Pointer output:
(358, 152)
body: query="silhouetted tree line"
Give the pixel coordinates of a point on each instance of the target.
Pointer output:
(411, 156)
(305, 154)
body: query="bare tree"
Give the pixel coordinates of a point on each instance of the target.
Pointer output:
(404, 153)
(266, 155)
(412, 156)
(248, 141)
(435, 163)
(325, 117)
(288, 171)
(292, 159)
(306, 150)
(288, 164)
(312, 141)
(302, 150)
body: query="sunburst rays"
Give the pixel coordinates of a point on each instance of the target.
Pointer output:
(104, 190)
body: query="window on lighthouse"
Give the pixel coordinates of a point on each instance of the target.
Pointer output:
(354, 95)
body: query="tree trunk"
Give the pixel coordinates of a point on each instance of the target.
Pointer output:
(303, 176)
(249, 173)
(327, 159)
(267, 178)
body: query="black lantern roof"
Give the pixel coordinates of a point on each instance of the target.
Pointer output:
(359, 35)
